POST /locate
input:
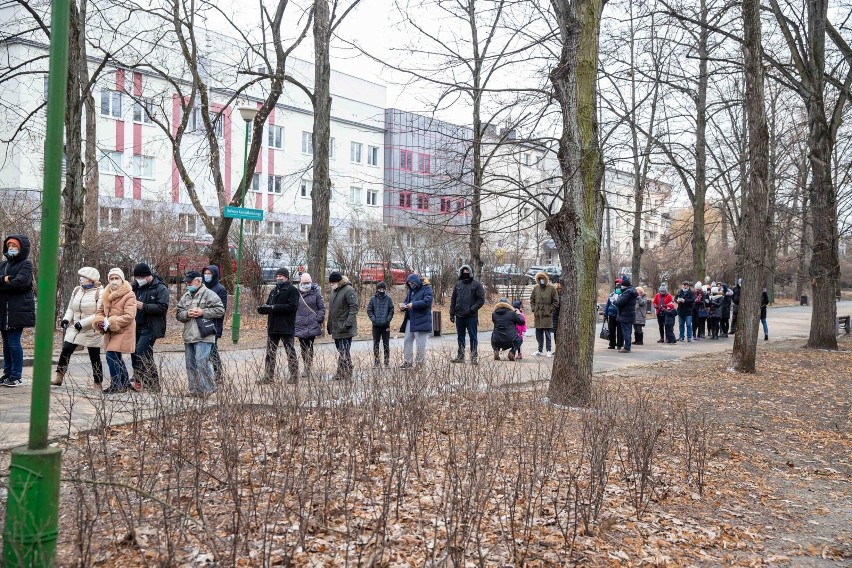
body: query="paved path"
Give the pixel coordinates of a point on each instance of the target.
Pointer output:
(76, 406)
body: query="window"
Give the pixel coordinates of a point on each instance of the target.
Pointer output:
(446, 205)
(527, 159)
(305, 189)
(111, 163)
(252, 227)
(195, 123)
(218, 123)
(143, 166)
(423, 202)
(307, 143)
(372, 197)
(111, 103)
(275, 183)
(525, 212)
(405, 199)
(460, 205)
(142, 110)
(276, 137)
(405, 159)
(355, 152)
(424, 163)
(46, 86)
(274, 228)
(255, 182)
(305, 231)
(354, 235)
(355, 195)
(372, 155)
(332, 147)
(188, 223)
(410, 241)
(109, 218)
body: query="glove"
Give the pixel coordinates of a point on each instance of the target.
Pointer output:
(78, 326)
(264, 309)
(64, 324)
(452, 319)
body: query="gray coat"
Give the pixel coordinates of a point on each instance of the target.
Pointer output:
(311, 313)
(641, 310)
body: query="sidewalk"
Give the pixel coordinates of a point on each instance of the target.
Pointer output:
(77, 406)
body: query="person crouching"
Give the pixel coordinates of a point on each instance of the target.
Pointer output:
(506, 320)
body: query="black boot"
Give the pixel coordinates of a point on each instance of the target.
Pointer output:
(766, 337)
(459, 358)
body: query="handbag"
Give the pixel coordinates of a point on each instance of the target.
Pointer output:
(605, 331)
(206, 326)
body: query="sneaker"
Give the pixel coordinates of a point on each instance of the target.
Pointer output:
(519, 356)
(688, 340)
(660, 341)
(136, 386)
(406, 366)
(12, 382)
(115, 389)
(538, 354)
(458, 359)
(550, 354)
(623, 350)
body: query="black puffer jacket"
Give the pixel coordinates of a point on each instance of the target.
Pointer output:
(505, 320)
(380, 310)
(283, 302)
(155, 306)
(468, 296)
(626, 303)
(764, 301)
(217, 287)
(715, 306)
(17, 304)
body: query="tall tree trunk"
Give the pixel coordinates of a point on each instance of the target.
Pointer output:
(699, 237)
(772, 248)
(91, 212)
(321, 192)
(576, 227)
(476, 240)
(805, 247)
(755, 208)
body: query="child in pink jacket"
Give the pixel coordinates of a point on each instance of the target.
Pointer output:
(522, 328)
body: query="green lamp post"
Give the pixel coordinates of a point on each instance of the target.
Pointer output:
(32, 506)
(248, 114)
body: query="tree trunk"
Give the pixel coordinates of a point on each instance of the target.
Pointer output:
(805, 247)
(576, 227)
(321, 192)
(475, 244)
(755, 224)
(772, 249)
(90, 161)
(699, 238)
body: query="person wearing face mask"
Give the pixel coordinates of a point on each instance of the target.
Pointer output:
(685, 299)
(211, 280)
(467, 299)
(309, 319)
(342, 322)
(196, 308)
(17, 305)
(626, 304)
(152, 305)
(543, 302)
(417, 323)
(616, 335)
(116, 320)
(380, 312)
(281, 308)
(78, 323)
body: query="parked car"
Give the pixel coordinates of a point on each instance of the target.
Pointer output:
(508, 274)
(374, 272)
(553, 272)
(195, 255)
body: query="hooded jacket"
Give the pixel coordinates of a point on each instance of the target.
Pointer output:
(17, 304)
(155, 305)
(209, 302)
(380, 309)
(220, 291)
(506, 322)
(118, 307)
(343, 311)
(284, 302)
(626, 302)
(685, 308)
(764, 301)
(543, 302)
(641, 310)
(310, 314)
(82, 308)
(420, 297)
(715, 305)
(468, 296)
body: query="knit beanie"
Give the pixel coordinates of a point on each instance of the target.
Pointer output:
(90, 273)
(517, 304)
(142, 270)
(335, 277)
(283, 272)
(119, 272)
(381, 286)
(306, 278)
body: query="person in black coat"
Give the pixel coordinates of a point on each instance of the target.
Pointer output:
(152, 305)
(685, 300)
(17, 305)
(764, 301)
(735, 307)
(505, 335)
(281, 307)
(467, 299)
(725, 322)
(626, 305)
(380, 311)
(211, 280)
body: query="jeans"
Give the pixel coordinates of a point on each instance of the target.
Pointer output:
(144, 368)
(216, 362)
(627, 332)
(540, 336)
(118, 375)
(408, 346)
(765, 327)
(199, 373)
(344, 358)
(13, 353)
(381, 336)
(467, 325)
(306, 345)
(687, 321)
(272, 352)
(94, 359)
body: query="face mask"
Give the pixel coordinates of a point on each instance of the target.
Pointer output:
(541, 281)
(141, 281)
(304, 287)
(280, 281)
(380, 292)
(115, 283)
(192, 289)
(465, 275)
(208, 278)
(12, 252)
(618, 292)
(87, 286)
(685, 288)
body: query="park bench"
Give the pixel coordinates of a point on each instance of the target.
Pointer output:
(844, 322)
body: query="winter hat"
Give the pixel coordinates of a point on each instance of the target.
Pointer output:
(517, 304)
(90, 273)
(283, 272)
(698, 286)
(13, 240)
(663, 289)
(618, 280)
(305, 278)
(117, 271)
(714, 290)
(142, 270)
(335, 277)
(191, 275)
(504, 301)
(381, 286)
(625, 281)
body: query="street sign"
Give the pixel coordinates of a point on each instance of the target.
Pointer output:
(232, 212)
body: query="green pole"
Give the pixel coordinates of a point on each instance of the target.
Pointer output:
(235, 322)
(32, 510)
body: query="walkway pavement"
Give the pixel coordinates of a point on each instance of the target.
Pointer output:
(77, 406)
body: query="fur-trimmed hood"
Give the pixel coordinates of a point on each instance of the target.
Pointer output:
(111, 295)
(503, 305)
(544, 275)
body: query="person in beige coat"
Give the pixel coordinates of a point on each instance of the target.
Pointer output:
(195, 310)
(116, 319)
(78, 323)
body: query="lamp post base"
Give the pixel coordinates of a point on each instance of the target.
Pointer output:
(235, 328)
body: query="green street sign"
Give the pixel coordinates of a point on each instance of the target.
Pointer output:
(232, 212)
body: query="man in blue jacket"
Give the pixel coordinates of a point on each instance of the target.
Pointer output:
(417, 323)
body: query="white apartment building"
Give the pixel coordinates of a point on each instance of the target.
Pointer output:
(618, 216)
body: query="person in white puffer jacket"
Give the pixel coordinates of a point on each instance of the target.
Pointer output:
(78, 325)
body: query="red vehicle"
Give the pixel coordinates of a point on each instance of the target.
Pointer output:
(195, 255)
(374, 272)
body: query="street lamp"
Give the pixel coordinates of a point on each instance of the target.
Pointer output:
(248, 114)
